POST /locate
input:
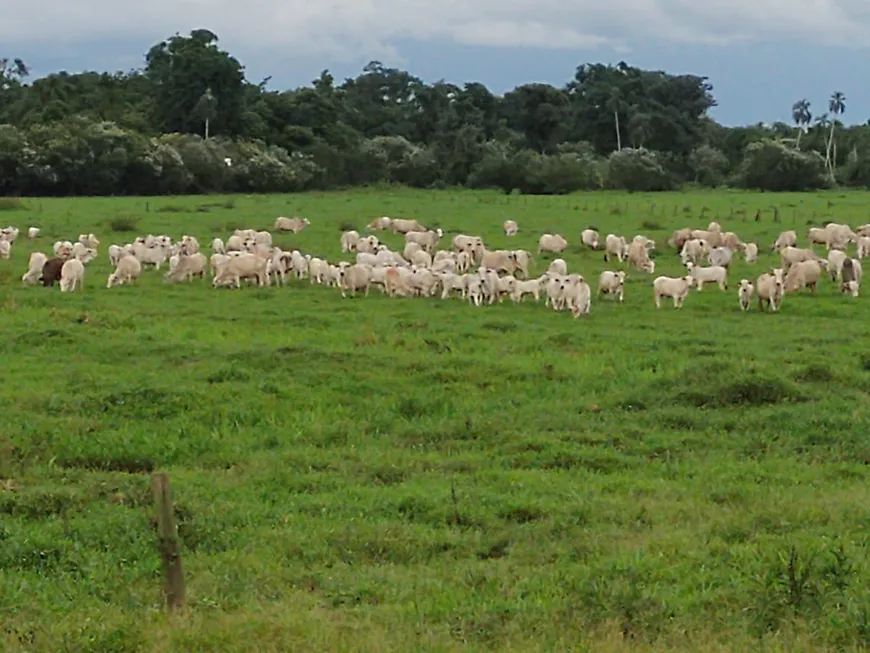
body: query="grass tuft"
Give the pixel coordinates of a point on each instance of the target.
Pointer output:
(12, 204)
(124, 224)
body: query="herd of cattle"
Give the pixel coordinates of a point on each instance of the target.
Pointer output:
(468, 268)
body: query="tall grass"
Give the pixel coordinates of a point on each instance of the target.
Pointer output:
(11, 204)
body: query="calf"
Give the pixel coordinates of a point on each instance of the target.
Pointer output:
(51, 271)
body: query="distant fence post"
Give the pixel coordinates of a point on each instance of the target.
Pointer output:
(167, 542)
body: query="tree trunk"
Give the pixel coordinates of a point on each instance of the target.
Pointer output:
(828, 150)
(206, 129)
(797, 144)
(618, 137)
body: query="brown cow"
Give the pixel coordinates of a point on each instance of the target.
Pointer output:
(51, 271)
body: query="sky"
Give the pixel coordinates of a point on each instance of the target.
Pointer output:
(760, 55)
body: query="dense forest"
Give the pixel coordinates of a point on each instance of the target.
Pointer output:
(190, 122)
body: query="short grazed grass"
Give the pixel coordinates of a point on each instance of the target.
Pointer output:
(375, 474)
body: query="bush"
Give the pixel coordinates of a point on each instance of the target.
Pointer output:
(395, 159)
(638, 170)
(79, 156)
(773, 166)
(124, 223)
(204, 160)
(856, 171)
(508, 168)
(167, 172)
(501, 167)
(560, 174)
(708, 166)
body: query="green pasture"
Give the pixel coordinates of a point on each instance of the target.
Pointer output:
(377, 474)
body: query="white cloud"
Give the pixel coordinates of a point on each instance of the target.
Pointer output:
(512, 34)
(369, 29)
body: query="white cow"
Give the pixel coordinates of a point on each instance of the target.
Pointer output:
(349, 241)
(615, 246)
(612, 283)
(770, 288)
(127, 270)
(34, 268)
(676, 288)
(552, 243)
(353, 278)
(590, 238)
(72, 275)
(713, 274)
(744, 293)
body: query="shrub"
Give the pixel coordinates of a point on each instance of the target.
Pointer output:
(773, 166)
(124, 223)
(638, 170)
(708, 166)
(507, 168)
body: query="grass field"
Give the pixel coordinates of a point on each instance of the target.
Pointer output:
(372, 474)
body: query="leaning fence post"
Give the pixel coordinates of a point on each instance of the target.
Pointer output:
(167, 542)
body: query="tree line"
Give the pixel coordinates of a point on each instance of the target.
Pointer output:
(190, 122)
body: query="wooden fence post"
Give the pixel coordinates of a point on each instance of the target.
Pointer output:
(167, 542)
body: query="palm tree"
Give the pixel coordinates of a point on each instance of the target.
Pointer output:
(822, 122)
(800, 113)
(837, 106)
(12, 70)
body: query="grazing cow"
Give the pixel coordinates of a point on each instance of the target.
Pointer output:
(291, 224)
(128, 270)
(379, 224)
(403, 226)
(851, 277)
(34, 268)
(750, 252)
(242, 266)
(785, 239)
(590, 238)
(679, 238)
(638, 256)
(349, 241)
(552, 243)
(803, 274)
